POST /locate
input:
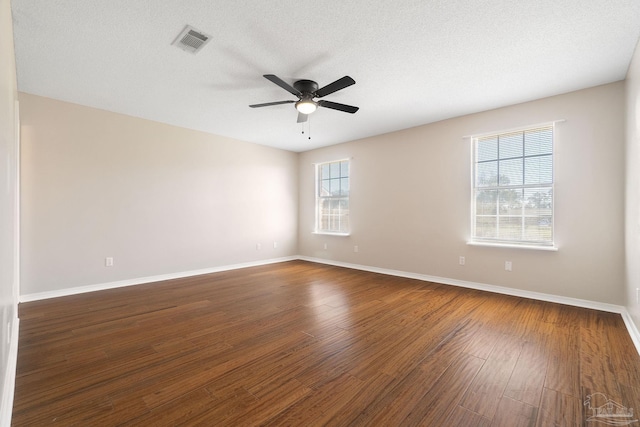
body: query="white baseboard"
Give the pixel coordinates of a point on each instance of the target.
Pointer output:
(479, 286)
(633, 330)
(595, 305)
(148, 279)
(8, 388)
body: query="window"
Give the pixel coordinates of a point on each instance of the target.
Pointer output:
(332, 197)
(513, 188)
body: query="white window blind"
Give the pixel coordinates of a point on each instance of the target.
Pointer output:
(332, 197)
(513, 187)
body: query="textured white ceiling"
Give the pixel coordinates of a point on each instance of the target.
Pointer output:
(414, 61)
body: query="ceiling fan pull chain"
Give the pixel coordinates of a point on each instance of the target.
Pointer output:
(309, 122)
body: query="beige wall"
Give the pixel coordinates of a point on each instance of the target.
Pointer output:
(157, 198)
(410, 200)
(161, 199)
(8, 198)
(632, 222)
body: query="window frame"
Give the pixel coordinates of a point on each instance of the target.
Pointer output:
(319, 198)
(506, 242)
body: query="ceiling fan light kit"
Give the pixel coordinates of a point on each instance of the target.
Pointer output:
(306, 106)
(306, 91)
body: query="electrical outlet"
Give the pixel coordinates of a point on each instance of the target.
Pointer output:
(108, 261)
(461, 261)
(258, 246)
(508, 266)
(355, 249)
(275, 245)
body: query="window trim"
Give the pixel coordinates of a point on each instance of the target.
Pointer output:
(331, 233)
(502, 243)
(316, 229)
(553, 248)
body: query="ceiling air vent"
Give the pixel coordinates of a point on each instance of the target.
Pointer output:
(191, 40)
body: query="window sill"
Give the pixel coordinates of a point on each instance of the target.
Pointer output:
(514, 246)
(328, 233)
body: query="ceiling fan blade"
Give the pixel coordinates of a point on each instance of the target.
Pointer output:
(302, 117)
(335, 86)
(267, 104)
(340, 107)
(284, 85)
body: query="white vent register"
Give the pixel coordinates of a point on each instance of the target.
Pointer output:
(191, 40)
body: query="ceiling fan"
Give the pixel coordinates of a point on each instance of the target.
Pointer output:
(306, 91)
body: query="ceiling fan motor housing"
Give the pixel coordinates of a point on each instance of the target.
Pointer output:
(306, 86)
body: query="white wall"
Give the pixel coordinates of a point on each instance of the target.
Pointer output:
(157, 198)
(632, 219)
(8, 205)
(410, 200)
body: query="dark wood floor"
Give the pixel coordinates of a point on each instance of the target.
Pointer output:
(303, 344)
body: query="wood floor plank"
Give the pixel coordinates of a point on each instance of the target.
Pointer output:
(596, 404)
(270, 405)
(176, 383)
(483, 343)
(559, 410)
(319, 407)
(527, 378)
(442, 399)
(622, 355)
(464, 417)
(408, 393)
(598, 374)
(513, 413)
(485, 393)
(298, 343)
(176, 412)
(224, 408)
(356, 405)
(563, 368)
(630, 399)
(403, 392)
